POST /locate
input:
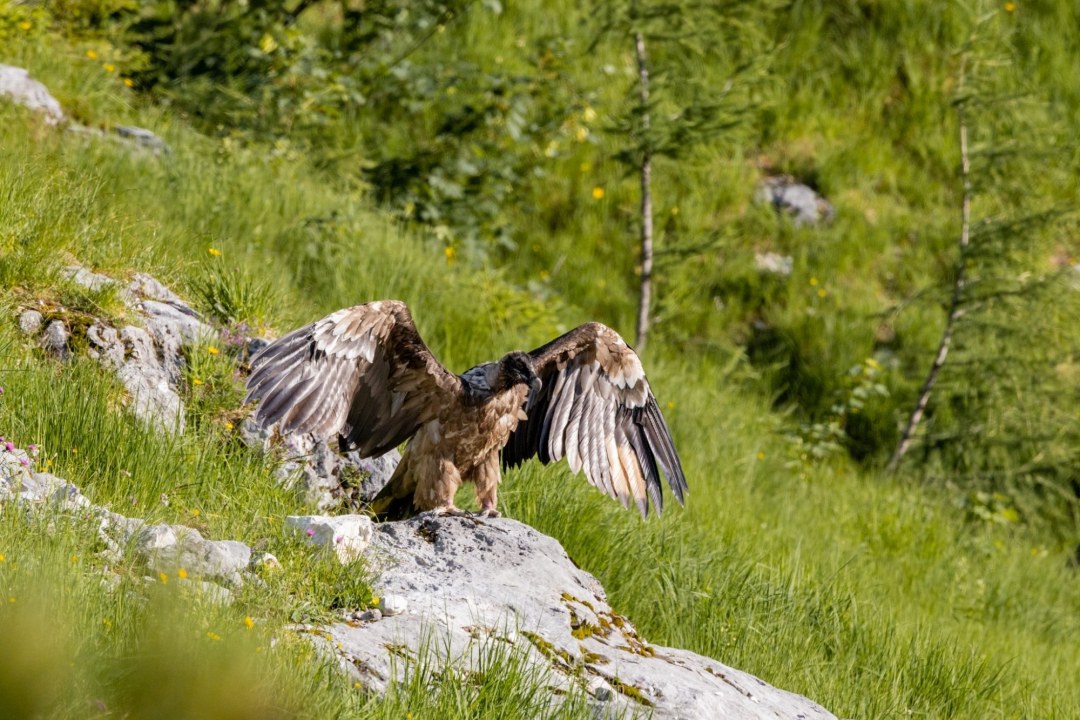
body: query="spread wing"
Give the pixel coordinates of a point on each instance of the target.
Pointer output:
(362, 372)
(595, 409)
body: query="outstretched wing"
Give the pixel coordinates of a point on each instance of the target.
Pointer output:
(362, 372)
(595, 409)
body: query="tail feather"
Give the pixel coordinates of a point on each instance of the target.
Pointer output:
(395, 500)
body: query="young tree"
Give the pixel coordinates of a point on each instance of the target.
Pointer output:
(672, 108)
(998, 402)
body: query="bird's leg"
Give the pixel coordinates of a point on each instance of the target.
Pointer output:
(435, 491)
(486, 477)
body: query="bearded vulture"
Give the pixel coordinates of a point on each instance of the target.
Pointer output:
(365, 374)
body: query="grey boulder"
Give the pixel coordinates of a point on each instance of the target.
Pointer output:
(463, 582)
(792, 198)
(17, 85)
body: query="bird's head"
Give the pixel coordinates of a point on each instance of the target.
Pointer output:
(517, 369)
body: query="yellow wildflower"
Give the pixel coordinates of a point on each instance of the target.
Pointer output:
(375, 599)
(128, 82)
(761, 455)
(1009, 7)
(585, 167)
(821, 292)
(213, 635)
(182, 574)
(2, 558)
(164, 578)
(74, 558)
(813, 281)
(671, 405)
(450, 253)
(249, 622)
(598, 193)
(214, 252)
(581, 134)
(229, 426)
(196, 381)
(212, 350)
(11, 599)
(91, 54)
(588, 114)
(196, 512)
(109, 67)
(25, 25)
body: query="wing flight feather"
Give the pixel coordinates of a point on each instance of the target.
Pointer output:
(596, 409)
(362, 372)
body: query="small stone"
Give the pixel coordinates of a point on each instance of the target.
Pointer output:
(799, 201)
(30, 321)
(142, 138)
(90, 280)
(774, 263)
(392, 605)
(264, 562)
(55, 339)
(373, 615)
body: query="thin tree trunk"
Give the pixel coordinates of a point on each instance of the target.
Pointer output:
(956, 308)
(645, 299)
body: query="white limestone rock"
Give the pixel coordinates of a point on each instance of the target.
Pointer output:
(774, 263)
(346, 535)
(17, 86)
(30, 321)
(468, 581)
(170, 548)
(86, 278)
(55, 340)
(800, 202)
(333, 481)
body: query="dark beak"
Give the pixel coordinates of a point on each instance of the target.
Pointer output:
(535, 384)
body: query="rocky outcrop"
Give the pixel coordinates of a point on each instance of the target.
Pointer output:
(147, 356)
(467, 582)
(333, 481)
(17, 86)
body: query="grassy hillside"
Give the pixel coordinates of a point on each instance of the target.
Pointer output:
(877, 596)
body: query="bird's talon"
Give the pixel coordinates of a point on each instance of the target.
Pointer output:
(448, 511)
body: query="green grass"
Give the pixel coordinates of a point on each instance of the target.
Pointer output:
(875, 596)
